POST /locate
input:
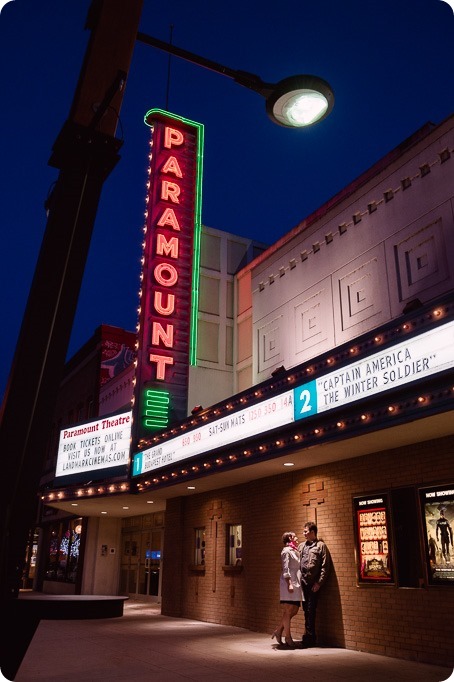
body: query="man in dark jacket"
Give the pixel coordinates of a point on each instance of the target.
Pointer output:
(315, 566)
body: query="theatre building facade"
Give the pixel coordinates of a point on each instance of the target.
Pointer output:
(337, 408)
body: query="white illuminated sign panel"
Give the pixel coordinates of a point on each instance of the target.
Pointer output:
(94, 446)
(416, 358)
(259, 418)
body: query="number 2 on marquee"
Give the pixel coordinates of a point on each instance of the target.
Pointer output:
(305, 399)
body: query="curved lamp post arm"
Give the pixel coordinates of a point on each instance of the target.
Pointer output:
(249, 80)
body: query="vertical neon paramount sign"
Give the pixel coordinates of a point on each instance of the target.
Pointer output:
(167, 329)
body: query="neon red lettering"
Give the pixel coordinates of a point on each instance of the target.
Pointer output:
(169, 218)
(172, 274)
(158, 305)
(170, 191)
(172, 166)
(160, 334)
(161, 362)
(172, 137)
(169, 248)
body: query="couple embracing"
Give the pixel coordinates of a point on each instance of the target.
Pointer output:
(305, 568)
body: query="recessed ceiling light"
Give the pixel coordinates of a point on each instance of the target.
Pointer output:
(103, 512)
(191, 487)
(125, 507)
(289, 464)
(150, 501)
(74, 504)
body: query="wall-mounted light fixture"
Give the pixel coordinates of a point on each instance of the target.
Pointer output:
(411, 306)
(278, 372)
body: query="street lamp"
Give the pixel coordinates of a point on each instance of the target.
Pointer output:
(295, 102)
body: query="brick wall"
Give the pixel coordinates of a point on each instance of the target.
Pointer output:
(410, 623)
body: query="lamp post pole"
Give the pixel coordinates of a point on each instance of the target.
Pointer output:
(85, 152)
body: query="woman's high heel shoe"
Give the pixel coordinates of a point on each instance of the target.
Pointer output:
(277, 634)
(289, 642)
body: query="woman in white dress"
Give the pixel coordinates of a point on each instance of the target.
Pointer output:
(291, 593)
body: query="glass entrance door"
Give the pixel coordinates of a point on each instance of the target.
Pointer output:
(140, 564)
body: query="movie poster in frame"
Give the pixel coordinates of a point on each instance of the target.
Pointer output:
(373, 540)
(437, 507)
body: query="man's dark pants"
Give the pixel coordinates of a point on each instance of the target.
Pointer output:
(310, 608)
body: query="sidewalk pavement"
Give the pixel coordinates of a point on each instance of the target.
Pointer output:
(144, 645)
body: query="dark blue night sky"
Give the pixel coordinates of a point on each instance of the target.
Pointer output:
(390, 64)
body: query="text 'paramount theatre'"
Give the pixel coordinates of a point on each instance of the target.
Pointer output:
(311, 380)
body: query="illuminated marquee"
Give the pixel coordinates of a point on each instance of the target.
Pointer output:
(167, 327)
(416, 358)
(94, 450)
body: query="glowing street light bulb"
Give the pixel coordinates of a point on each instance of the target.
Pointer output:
(305, 108)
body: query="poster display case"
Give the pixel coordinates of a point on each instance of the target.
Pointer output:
(374, 561)
(437, 509)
